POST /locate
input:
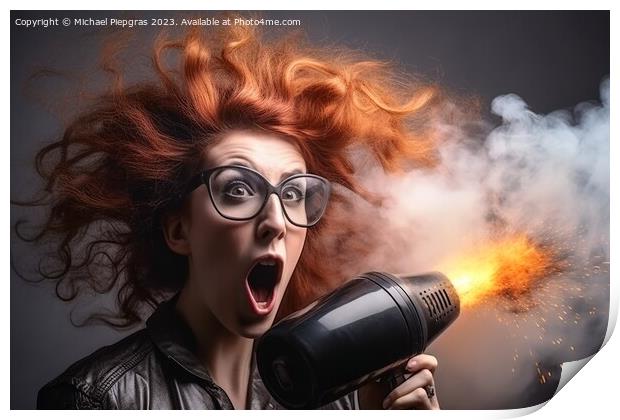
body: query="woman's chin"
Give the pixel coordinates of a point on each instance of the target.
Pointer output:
(253, 324)
(254, 331)
(254, 328)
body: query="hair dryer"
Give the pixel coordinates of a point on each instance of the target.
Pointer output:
(361, 331)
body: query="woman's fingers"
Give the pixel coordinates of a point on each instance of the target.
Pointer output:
(412, 388)
(422, 361)
(416, 399)
(418, 391)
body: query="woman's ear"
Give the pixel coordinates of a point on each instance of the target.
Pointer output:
(176, 233)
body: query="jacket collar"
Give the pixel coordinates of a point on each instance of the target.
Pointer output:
(174, 338)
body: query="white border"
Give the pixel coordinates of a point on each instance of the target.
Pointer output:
(591, 393)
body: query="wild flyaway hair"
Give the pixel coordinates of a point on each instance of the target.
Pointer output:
(122, 161)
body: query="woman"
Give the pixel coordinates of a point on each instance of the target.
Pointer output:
(208, 185)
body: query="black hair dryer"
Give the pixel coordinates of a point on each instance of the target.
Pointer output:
(364, 330)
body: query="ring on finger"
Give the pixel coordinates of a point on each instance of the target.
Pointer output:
(430, 391)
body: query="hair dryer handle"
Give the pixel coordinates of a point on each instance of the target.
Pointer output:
(372, 394)
(397, 376)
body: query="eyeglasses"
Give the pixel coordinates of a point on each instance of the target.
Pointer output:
(240, 193)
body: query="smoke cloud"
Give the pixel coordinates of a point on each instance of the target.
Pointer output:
(546, 176)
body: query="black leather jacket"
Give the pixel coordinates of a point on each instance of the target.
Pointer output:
(154, 368)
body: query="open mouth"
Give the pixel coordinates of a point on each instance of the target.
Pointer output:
(262, 280)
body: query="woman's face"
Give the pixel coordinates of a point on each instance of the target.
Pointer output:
(240, 269)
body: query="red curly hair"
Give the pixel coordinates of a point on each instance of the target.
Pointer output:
(118, 166)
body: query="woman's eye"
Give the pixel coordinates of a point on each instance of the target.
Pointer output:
(239, 189)
(292, 194)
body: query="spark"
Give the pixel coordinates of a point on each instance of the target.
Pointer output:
(527, 282)
(508, 267)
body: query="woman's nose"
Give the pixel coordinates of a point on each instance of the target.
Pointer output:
(272, 221)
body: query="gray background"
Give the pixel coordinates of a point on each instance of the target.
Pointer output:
(552, 59)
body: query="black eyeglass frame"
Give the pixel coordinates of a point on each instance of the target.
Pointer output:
(203, 179)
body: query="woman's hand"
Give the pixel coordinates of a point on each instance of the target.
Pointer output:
(418, 391)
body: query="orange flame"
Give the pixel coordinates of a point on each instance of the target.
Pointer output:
(507, 267)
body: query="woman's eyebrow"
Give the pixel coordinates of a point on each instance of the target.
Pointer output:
(248, 164)
(291, 173)
(240, 162)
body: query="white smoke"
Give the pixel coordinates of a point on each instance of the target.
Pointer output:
(544, 175)
(537, 174)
